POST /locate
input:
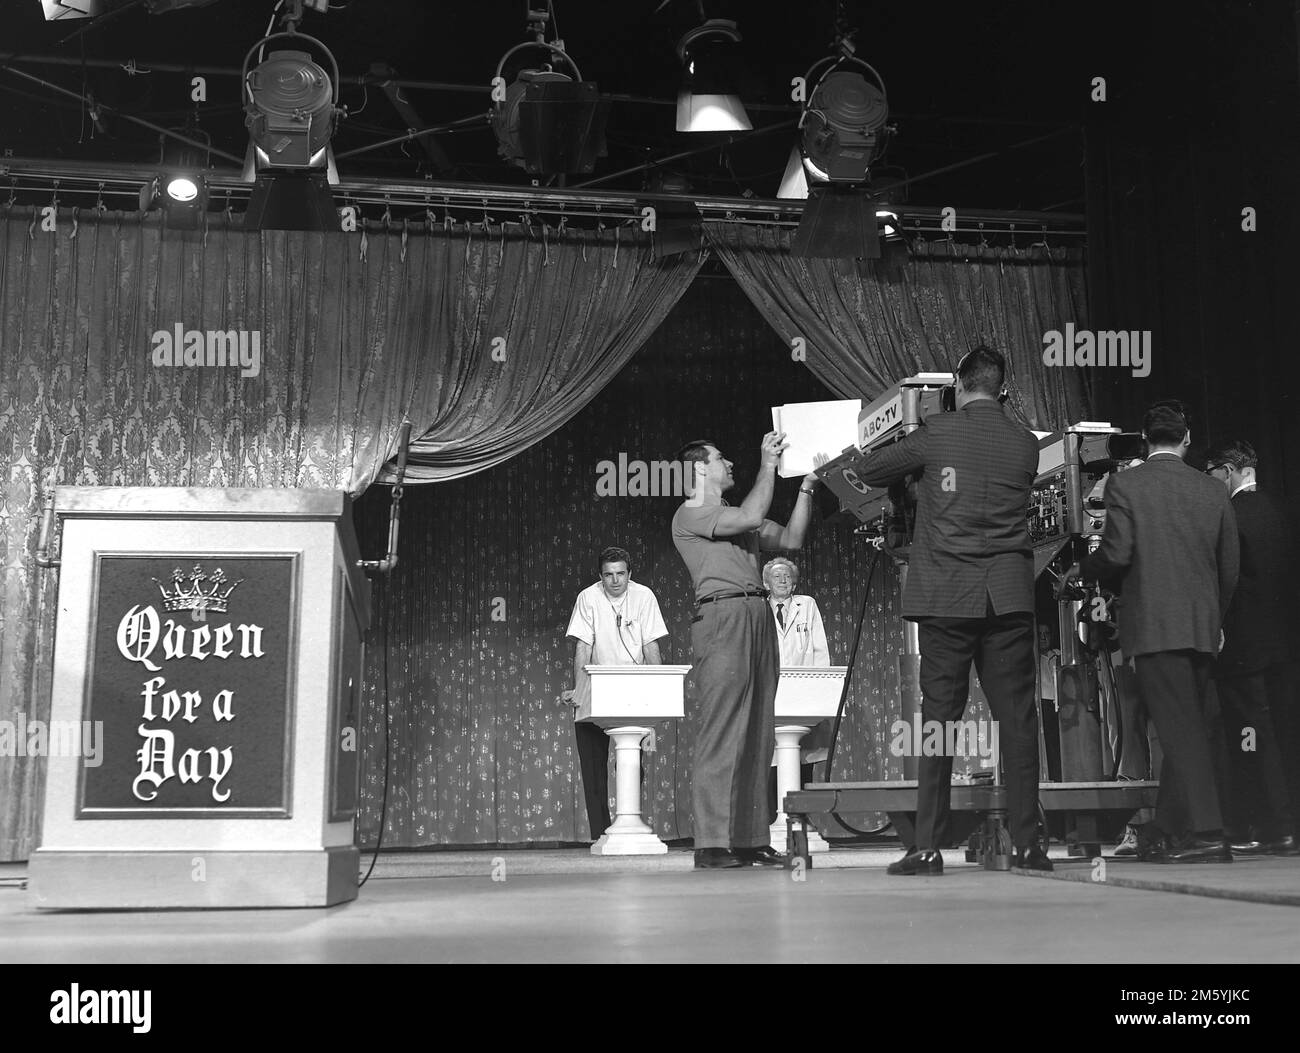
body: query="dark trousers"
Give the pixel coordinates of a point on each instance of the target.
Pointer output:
(1257, 787)
(737, 664)
(1286, 722)
(1173, 689)
(593, 757)
(1002, 648)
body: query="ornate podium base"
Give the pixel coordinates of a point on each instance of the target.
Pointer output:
(628, 834)
(788, 737)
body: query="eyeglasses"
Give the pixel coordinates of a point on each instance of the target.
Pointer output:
(1212, 468)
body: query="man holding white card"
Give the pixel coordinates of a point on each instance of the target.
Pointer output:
(737, 662)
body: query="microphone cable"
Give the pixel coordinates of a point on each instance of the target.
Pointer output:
(383, 801)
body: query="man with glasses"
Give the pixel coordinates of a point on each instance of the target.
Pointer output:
(1259, 634)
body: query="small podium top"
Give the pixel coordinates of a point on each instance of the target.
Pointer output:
(629, 694)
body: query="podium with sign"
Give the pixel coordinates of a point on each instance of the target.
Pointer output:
(213, 640)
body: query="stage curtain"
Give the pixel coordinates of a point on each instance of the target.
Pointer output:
(354, 330)
(866, 324)
(537, 324)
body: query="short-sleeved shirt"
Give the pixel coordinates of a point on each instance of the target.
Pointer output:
(617, 630)
(716, 564)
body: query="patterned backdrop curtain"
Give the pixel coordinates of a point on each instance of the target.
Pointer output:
(352, 331)
(867, 324)
(471, 622)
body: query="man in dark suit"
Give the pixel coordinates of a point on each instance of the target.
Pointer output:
(970, 589)
(1170, 550)
(1258, 638)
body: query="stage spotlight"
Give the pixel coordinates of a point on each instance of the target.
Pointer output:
(707, 101)
(843, 123)
(843, 131)
(180, 187)
(292, 109)
(546, 122)
(184, 199)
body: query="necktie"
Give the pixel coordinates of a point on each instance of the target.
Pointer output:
(780, 617)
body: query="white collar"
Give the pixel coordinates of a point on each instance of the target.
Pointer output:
(1243, 486)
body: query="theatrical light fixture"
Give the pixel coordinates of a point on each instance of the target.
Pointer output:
(292, 108)
(547, 122)
(708, 99)
(292, 111)
(180, 188)
(843, 131)
(843, 125)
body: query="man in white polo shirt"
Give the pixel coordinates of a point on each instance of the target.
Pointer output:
(615, 622)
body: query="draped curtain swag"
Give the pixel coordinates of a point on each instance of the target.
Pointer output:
(866, 324)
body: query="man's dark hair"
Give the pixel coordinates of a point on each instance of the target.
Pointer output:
(1166, 423)
(1237, 453)
(982, 371)
(695, 450)
(614, 554)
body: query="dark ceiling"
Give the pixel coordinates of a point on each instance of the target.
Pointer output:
(996, 94)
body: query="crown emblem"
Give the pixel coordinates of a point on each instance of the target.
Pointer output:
(194, 596)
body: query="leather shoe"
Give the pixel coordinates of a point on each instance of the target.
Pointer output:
(924, 862)
(1152, 848)
(763, 856)
(1279, 846)
(1032, 858)
(1200, 850)
(1247, 848)
(716, 859)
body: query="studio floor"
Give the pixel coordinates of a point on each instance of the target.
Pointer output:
(565, 906)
